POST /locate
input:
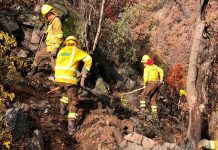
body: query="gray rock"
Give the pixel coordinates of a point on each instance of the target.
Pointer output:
(179, 148)
(148, 143)
(123, 143)
(22, 54)
(135, 138)
(40, 106)
(25, 17)
(35, 17)
(102, 86)
(117, 134)
(128, 137)
(7, 22)
(37, 8)
(159, 147)
(27, 35)
(36, 142)
(25, 43)
(25, 107)
(33, 47)
(130, 84)
(120, 85)
(16, 7)
(62, 11)
(84, 94)
(10, 115)
(133, 146)
(169, 145)
(17, 121)
(35, 36)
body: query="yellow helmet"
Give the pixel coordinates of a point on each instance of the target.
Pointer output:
(182, 92)
(70, 40)
(45, 9)
(145, 58)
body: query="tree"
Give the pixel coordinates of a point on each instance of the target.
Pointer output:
(194, 128)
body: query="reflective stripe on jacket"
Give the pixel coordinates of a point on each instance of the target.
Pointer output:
(152, 73)
(214, 145)
(54, 37)
(67, 63)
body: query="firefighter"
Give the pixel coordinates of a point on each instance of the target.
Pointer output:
(152, 76)
(66, 67)
(54, 38)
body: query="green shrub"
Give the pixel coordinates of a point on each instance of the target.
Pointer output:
(127, 37)
(7, 63)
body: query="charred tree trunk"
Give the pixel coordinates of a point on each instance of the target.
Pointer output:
(194, 128)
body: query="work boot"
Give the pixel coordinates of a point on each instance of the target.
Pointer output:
(154, 116)
(154, 113)
(71, 126)
(63, 109)
(33, 71)
(142, 113)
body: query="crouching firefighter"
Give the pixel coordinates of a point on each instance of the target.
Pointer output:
(152, 76)
(67, 62)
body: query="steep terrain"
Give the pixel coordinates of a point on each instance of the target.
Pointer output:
(162, 29)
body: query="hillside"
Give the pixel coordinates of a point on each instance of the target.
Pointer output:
(179, 36)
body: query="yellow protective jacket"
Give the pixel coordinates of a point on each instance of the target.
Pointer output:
(67, 63)
(54, 37)
(152, 73)
(214, 145)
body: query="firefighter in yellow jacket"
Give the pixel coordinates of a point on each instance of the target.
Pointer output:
(54, 38)
(66, 67)
(152, 76)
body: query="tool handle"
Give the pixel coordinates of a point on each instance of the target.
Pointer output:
(53, 90)
(40, 43)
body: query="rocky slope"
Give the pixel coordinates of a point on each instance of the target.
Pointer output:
(164, 31)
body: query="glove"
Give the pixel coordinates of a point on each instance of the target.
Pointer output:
(54, 53)
(84, 73)
(82, 82)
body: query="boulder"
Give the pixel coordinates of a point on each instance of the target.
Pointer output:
(27, 18)
(148, 143)
(22, 54)
(169, 145)
(17, 121)
(27, 35)
(37, 32)
(117, 134)
(133, 146)
(41, 106)
(123, 144)
(36, 142)
(130, 84)
(33, 47)
(102, 86)
(159, 147)
(134, 137)
(7, 22)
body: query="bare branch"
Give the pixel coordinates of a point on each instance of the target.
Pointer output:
(99, 27)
